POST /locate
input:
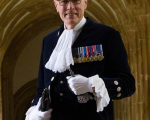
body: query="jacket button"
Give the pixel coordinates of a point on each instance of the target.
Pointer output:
(61, 94)
(52, 78)
(119, 89)
(61, 82)
(119, 95)
(116, 82)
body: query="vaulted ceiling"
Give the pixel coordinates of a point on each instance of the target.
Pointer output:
(23, 20)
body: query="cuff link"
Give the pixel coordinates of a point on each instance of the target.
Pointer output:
(116, 82)
(119, 95)
(119, 89)
(52, 78)
(58, 33)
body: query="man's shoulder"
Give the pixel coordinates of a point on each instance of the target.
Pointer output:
(100, 26)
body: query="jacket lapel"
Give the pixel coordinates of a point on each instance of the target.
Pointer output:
(81, 39)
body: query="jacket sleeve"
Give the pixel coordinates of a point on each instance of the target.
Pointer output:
(119, 81)
(40, 80)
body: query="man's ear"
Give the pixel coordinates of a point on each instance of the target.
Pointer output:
(56, 5)
(86, 2)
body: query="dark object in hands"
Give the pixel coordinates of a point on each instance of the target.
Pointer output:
(45, 100)
(71, 73)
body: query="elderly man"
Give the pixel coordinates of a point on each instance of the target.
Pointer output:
(96, 54)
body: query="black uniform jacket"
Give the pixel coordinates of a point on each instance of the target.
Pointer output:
(113, 69)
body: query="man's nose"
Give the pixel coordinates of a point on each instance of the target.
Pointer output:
(70, 5)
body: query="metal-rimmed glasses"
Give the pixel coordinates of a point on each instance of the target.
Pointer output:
(65, 2)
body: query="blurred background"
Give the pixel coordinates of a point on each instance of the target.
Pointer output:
(24, 23)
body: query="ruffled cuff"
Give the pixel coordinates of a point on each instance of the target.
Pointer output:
(101, 93)
(29, 111)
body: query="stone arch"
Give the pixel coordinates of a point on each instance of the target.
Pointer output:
(9, 62)
(27, 20)
(22, 20)
(23, 98)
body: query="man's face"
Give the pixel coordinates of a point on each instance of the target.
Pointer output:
(71, 14)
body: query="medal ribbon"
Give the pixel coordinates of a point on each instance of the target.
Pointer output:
(81, 53)
(91, 50)
(84, 51)
(95, 49)
(101, 48)
(88, 50)
(87, 53)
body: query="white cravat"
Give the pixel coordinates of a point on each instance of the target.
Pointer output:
(61, 58)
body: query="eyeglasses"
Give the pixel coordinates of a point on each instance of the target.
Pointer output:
(65, 2)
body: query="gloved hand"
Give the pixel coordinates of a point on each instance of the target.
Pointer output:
(79, 84)
(34, 114)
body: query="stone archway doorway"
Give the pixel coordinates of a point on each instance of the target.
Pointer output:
(14, 50)
(23, 98)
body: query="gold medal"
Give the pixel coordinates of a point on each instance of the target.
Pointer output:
(80, 59)
(100, 53)
(87, 54)
(95, 57)
(84, 55)
(91, 54)
(88, 59)
(95, 53)
(84, 59)
(100, 57)
(92, 58)
(75, 59)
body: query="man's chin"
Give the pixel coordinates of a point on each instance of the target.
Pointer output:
(71, 22)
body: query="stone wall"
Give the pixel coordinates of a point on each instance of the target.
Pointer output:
(21, 21)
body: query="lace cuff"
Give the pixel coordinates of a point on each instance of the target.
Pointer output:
(30, 110)
(101, 93)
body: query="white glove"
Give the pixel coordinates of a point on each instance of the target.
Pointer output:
(33, 113)
(102, 97)
(79, 84)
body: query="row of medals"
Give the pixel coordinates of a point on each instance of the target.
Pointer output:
(83, 59)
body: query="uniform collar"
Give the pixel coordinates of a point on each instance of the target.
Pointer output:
(84, 31)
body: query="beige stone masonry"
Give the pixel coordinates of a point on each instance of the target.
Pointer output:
(23, 20)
